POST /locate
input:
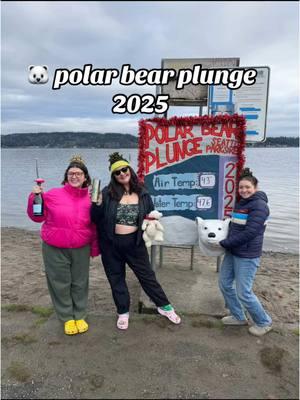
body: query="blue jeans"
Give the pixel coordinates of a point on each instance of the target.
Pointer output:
(242, 271)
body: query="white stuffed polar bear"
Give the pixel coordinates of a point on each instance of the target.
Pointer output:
(38, 74)
(153, 229)
(212, 230)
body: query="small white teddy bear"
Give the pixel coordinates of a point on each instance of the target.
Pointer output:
(153, 229)
(210, 233)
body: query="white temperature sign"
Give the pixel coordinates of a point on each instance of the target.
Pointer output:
(207, 180)
(204, 202)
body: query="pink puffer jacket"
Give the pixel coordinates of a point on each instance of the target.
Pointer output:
(66, 218)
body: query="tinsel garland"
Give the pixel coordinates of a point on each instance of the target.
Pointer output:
(239, 120)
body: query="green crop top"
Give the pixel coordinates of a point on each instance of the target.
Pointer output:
(127, 214)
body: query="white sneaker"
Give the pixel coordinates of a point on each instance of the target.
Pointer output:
(260, 330)
(230, 320)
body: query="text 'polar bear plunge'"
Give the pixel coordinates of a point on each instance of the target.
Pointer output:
(233, 78)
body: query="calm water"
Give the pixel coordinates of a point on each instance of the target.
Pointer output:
(276, 168)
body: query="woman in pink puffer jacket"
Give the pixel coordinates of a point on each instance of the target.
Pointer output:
(69, 239)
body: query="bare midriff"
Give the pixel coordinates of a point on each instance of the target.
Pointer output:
(126, 229)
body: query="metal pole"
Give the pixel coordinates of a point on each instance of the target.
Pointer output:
(153, 257)
(154, 248)
(192, 257)
(161, 256)
(219, 258)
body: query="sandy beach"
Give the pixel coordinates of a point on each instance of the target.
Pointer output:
(24, 287)
(23, 278)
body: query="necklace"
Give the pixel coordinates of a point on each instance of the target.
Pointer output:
(126, 193)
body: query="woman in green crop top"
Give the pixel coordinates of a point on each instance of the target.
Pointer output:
(118, 215)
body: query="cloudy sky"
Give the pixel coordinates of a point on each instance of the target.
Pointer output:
(109, 34)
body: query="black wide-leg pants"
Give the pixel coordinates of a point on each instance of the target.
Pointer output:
(115, 255)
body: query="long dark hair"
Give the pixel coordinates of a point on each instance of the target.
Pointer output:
(116, 189)
(83, 168)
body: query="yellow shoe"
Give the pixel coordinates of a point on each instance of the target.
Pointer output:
(70, 327)
(82, 326)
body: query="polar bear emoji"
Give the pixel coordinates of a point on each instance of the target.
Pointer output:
(38, 74)
(153, 229)
(212, 230)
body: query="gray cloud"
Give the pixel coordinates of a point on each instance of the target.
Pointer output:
(109, 34)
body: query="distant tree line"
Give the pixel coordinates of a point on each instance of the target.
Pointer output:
(105, 140)
(280, 141)
(70, 140)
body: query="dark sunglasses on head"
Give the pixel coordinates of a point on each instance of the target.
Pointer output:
(124, 170)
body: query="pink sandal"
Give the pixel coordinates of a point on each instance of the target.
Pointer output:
(122, 322)
(171, 315)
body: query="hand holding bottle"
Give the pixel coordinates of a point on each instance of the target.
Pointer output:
(38, 204)
(96, 195)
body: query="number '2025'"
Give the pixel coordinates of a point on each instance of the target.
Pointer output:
(147, 104)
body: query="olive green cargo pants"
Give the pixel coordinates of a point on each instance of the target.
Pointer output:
(67, 272)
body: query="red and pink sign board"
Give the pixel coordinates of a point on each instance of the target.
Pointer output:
(190, 164)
